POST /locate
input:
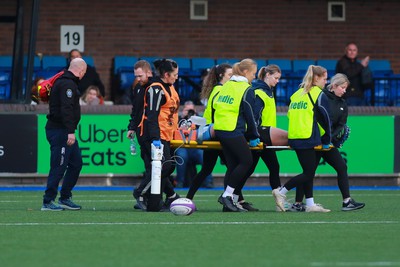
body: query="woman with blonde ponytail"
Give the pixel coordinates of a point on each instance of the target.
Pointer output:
(309, 126)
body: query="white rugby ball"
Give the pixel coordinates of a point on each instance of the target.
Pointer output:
(182, 206)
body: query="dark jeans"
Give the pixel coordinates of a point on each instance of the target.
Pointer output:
(65, 162)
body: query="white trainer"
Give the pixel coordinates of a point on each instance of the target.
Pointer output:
(316, 208)
(279, 199)
(287, 205)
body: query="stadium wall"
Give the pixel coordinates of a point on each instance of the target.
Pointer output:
(235, 29)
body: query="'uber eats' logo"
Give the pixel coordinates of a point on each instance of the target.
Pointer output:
(99, 147)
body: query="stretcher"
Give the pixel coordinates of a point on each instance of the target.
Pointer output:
(187, 138)
(217, 145)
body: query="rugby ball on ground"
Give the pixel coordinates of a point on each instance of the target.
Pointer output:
(182, 206)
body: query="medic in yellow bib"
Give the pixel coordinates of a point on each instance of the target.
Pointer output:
(265, 115)
(233, 118)
(309, 126)
(212, 84)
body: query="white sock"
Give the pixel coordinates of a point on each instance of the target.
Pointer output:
(346, 200)
(235, 198)
(283, 191)
(310, 201)
(228, 191)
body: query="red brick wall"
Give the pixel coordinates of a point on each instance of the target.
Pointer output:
(294, 29)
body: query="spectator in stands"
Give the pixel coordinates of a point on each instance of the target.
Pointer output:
(34, 91)
(216, 77)
(309, 126)
(196, 86)
(349, 65)
(91, 97)
(265, 114)
(91, 77)
(340, 131)
(233, 118)
(189, 158)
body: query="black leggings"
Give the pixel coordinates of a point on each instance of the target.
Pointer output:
(333, 158)
(308, 161)
(270, 160)
(238, 159)
(210, 158)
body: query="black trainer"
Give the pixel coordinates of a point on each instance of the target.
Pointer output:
(248, 206)
(228, 203)
(352, 205)
(220, 200)
(297, 207)
(169, 200)
(68, 204)
(141, 203)
(225, 209)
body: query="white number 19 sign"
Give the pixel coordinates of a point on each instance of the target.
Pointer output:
(72, 37)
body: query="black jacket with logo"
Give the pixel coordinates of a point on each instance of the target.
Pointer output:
(338, 112)
(64, 108)
(138, 93)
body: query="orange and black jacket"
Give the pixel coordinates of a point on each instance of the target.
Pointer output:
(161, 105)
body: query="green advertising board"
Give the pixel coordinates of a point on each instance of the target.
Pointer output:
(103, 142)
(105, 148)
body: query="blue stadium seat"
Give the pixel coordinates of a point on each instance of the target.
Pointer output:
(5, 87)
(395, 89)
(37, 64)
(54, 63)
(260, 62)
(184, 65)
(183, 62)
(89, 60)
(6, 63)
(151, 60)
(124, 63)
(46, 74)
(199, 64)
(329, 64)
(126, 80)
(300, 66)
(230, 61)
(380, 67)
(281, 93)
(284, 64)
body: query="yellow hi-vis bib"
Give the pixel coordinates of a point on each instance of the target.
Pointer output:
(208, 110)
(268, 114)
(301, 114)
(227, 105)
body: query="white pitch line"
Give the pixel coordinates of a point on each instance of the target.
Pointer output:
(350, 264)
(193, 223)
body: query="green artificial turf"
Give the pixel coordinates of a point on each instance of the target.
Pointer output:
(108, 232)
